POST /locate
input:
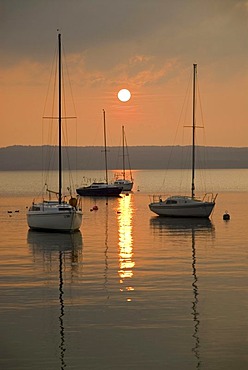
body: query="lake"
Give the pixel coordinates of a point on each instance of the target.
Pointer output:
(130, 290)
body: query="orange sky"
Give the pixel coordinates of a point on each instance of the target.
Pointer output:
(147, 46)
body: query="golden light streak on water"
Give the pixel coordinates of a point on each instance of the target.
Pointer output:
(125, 228)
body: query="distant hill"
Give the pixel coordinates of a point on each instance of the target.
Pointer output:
(16, 157)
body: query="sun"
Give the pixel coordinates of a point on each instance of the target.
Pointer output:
(124, 95)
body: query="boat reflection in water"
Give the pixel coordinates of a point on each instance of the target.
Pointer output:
(58, 252)
(126, 263)
(188, 228)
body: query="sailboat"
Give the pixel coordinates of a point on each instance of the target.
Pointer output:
(186, 206)
(58, 214)
(101, 189)
(126, 184)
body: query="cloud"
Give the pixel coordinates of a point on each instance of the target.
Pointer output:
(111, 30)
(26, 73)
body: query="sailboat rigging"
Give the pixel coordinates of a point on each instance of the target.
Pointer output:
(101, 189)
(186, 206)
(58, 214)
(123, 181)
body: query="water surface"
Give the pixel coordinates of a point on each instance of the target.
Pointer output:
(130, 290)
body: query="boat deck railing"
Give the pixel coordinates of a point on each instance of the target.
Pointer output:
(209, 197)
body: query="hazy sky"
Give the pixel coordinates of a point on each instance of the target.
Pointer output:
(147, 46)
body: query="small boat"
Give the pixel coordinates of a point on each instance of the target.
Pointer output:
(101, 189)
(58, 214)
(186, 206)
(126, 184)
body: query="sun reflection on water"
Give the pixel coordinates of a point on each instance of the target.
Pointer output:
(125, 227)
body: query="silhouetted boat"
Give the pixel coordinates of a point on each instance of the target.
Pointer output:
(101, 189)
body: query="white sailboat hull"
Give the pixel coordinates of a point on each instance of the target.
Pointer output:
(54, 217)
(125, 184)
(182, 207)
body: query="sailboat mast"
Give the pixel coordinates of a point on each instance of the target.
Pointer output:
(105, 146)
(193, 132)
(123, 154)
(60, 119)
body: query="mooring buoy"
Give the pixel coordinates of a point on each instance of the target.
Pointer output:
(226, 216)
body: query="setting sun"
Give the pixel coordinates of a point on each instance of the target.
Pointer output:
(124, 95)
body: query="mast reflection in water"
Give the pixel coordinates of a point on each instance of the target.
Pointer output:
(58, 251)
(126, 263)
(191, 228)
(106, 250)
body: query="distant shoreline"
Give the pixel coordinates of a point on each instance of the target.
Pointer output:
(33, 158)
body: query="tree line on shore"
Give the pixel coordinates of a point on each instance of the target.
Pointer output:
(14, 158)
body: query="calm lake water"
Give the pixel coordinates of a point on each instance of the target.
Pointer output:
(131, 290)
